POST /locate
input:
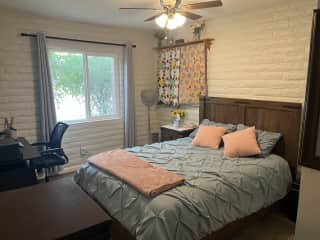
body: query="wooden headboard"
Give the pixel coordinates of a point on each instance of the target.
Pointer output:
(280, 117)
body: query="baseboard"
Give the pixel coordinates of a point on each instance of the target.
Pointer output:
(70, 169)
(66, 170)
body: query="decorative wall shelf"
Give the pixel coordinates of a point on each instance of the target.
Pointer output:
(207, 42)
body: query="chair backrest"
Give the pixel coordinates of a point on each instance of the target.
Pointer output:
(57, 135)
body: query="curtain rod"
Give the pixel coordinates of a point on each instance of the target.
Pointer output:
(76, 40)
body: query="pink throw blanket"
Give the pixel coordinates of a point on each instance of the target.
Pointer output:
(146, 178)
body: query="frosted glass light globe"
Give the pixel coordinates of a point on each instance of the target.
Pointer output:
(162, 20)
(172, 22)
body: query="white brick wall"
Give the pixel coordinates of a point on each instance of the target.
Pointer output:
(18, 78)
(260, 54)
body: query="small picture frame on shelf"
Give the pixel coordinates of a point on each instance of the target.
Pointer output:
(179, 41)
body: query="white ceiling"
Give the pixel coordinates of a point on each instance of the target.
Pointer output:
(106, 11)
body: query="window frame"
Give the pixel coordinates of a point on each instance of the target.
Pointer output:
(117, 78)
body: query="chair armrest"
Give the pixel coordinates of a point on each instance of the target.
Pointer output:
(55, 152)
(65, 156)
(39, 144)
(51, 151)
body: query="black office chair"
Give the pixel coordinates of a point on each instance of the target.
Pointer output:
(51, 154)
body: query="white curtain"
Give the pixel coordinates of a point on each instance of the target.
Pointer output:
(129, 99)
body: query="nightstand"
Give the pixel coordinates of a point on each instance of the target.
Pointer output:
(169, 133)
(292, 201)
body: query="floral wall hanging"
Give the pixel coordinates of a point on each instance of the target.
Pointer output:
(193, 80)
(182, 75)
(169, 74)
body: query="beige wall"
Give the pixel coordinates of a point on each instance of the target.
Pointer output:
(307, 227)
(19, 83)
(260, 54)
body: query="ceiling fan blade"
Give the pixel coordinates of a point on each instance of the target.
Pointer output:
(152, 18)
(201, 5)
(154, 9)
(190, 15)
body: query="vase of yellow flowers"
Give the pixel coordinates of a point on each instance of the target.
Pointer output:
(177, 116)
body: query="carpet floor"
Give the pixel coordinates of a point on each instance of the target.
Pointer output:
(272, 227)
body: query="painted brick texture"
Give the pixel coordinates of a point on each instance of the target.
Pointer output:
(258, 54)
(19, 83)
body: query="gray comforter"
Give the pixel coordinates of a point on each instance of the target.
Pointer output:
(217, 191)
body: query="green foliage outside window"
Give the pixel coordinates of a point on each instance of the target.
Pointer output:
(101, 75)
(68, 74)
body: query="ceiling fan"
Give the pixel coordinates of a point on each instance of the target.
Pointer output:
(173, 13)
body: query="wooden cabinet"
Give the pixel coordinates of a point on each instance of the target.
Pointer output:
(310, 151)
(168, 133)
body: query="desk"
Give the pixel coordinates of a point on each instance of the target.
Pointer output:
(27, 150)
(14, 170)
(56, 210)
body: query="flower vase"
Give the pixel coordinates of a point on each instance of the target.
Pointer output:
(176, 123)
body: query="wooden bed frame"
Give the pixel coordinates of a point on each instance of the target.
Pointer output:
(280, 117)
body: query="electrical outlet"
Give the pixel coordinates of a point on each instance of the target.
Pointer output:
(83, 152)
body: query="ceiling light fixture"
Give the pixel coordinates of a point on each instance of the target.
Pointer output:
(162, 20)
(171, 21)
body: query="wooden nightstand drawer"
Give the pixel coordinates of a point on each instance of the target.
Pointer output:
(169, 134)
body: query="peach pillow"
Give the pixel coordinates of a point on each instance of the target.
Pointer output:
(241, 143)
(209, 136)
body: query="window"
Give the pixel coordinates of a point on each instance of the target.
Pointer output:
(86, 86)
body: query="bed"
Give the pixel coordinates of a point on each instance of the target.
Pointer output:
(219, 195)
